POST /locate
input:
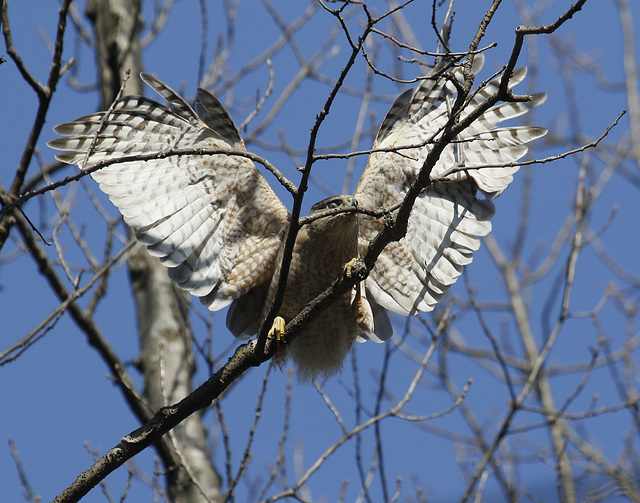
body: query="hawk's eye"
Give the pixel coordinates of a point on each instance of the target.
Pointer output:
(332, 205)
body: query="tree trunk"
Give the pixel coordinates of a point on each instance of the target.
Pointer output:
(166, 360)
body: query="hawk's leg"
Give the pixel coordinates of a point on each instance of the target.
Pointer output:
(360, 307)
(277, 331)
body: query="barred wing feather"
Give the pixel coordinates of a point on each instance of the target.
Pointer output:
(213, 220)
(448, 218)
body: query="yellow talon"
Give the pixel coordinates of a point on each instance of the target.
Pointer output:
(349, 265)
(277, 330)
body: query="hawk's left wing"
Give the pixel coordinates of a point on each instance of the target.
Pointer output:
(449, 217)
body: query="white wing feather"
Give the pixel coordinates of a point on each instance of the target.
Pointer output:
(448, 218)
(212, 220)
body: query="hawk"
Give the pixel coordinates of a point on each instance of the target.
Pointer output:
(217, 225)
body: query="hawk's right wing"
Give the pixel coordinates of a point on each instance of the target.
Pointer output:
(213, 220)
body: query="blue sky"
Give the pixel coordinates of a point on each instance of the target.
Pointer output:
(57, 396)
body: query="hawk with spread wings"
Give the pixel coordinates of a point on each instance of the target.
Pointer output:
(216, 224)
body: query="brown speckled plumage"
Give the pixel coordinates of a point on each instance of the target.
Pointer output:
(321, 250)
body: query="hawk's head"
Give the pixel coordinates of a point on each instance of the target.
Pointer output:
(334, 221)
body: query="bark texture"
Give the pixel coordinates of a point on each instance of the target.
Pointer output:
(165, 360)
